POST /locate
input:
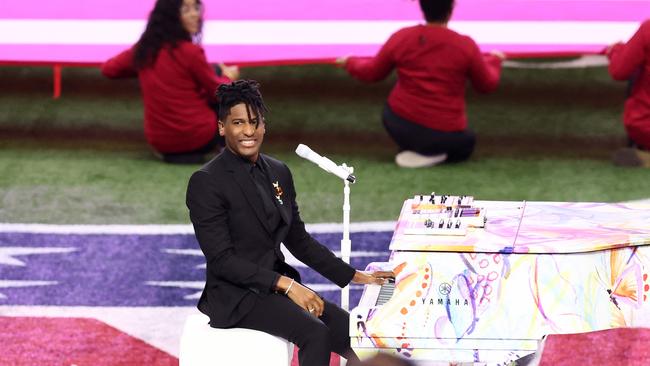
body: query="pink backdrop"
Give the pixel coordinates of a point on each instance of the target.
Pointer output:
(39, 31)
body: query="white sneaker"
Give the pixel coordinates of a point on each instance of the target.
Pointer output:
(411, 159)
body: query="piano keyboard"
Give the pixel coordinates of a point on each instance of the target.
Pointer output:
(376, 295)
(385, 292)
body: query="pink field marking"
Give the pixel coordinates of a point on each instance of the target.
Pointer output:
(321, 50)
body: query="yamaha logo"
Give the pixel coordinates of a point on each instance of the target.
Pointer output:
(444, 289)
(446, 301)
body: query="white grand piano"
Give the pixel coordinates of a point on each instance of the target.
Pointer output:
(484, 281)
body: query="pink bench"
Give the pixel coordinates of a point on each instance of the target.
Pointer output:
(259, 32)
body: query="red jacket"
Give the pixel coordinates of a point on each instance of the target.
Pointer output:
(433, 64)
(625, 61)
(176, 90)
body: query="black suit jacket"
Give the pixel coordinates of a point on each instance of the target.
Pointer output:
(240, 249)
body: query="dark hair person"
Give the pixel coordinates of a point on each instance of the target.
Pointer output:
(425, 112)
(243, 205)
(178, 85)
(631, 61)
(241, 91)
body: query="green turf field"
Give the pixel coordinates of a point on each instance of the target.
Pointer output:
(544, 135)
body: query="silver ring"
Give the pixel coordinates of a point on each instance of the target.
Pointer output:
(311, 310)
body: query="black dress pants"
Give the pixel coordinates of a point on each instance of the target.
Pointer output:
(412, 136)
(197, 156)
(278, 315)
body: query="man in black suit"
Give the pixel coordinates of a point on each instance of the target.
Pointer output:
(243, 205)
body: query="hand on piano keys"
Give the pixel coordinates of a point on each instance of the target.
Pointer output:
(372, 278)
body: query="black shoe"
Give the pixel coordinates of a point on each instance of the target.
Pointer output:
(630, 156)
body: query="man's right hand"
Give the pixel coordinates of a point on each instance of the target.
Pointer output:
(302, 296)
(307, 299)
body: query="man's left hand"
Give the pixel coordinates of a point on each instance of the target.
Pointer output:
(374, 278)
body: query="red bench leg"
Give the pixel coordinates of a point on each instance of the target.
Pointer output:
(56, 74)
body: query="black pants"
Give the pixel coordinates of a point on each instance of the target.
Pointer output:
(316, 337)
(411, 136)
(195, 156)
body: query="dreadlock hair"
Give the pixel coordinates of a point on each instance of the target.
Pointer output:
(437, 10)
(241, 91)
(163, 28)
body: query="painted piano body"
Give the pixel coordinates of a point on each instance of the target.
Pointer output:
(490, 295)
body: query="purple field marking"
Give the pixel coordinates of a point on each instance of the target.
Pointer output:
(113, 270)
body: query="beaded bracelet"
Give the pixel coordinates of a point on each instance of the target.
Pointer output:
(289, 288)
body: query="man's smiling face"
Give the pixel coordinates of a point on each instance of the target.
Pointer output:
(243, 131)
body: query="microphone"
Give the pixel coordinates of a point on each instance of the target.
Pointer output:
(324, 163)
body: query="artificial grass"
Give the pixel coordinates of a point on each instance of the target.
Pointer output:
(321, 98)
(544, 135)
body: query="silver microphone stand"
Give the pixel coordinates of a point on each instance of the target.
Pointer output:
(346, 244)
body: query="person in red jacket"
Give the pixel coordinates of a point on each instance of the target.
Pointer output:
(425, 111)
(631, 61)
(178, 85)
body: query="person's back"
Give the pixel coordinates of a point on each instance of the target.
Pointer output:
(433, 66)
(425, 111)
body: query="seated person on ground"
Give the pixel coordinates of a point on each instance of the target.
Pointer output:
(425, 111)
(178, 84)
(631, 61)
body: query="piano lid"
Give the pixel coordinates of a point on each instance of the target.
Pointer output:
(536, 227)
